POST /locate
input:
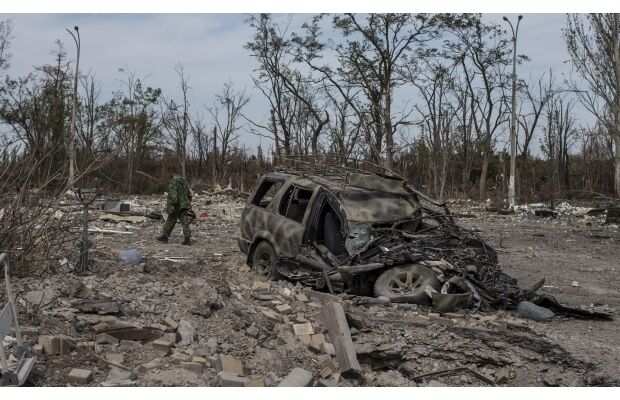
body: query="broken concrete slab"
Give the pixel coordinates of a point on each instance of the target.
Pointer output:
(255, 381)
(117, 358)
(270, 315)
(119, 383)
(284, 309)
(299, 296)
(171, 323)
(79, 376)
(105, 338)
(185, 332)
(303, 329)
(200, 360)
(51, 344)
(229, 364)
(340, 335)
(98, 306)
(37, 349)
(323, 297)
(328, 348)
(227, 379)
(162, 345)
(298, 377)
(39, 298)
(318, 338)
(142, 368)
(67, 344)
(261, 287)
(120, 374)
(192, 366)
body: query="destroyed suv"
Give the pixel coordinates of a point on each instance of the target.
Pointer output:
(370, 234)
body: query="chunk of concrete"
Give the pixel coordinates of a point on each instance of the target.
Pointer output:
(301, 297)
(121, 383)
(162, 345)
(261, 287)
(255, 381)
(298, 377)
(227, 379)
(79, 376)
(328, 348)
(229, 364)
(117, 358)
(142, 368)
(104, 338)
(171, 323)
(120, 374)
(192, 366)
(303, 329)
(37, 349)
(284, 309)
(186, 332)
(67, 344)
(51, 344)
(200, 360)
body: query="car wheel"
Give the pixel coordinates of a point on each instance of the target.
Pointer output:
(406, 284)
(264, 260)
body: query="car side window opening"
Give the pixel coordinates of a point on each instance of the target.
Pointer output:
(294, 203)
(266, 192)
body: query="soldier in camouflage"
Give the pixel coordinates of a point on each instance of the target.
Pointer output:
(178, 204)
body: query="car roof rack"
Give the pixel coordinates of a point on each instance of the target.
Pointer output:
(330, 165)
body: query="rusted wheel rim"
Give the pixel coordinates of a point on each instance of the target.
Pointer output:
(405, 282)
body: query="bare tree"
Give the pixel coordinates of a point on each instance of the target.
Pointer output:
(132, 117)
(176, 120)
(227, 117)
(435, 83)
(593, 43)
(90, 114)
(285, 87)
(485, 50)
(536, 95)
(559, 137)
(6, 29)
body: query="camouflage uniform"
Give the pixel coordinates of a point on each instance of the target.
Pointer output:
(177, 205)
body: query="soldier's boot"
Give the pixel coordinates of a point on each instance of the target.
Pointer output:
(187, 241)
(163, 239)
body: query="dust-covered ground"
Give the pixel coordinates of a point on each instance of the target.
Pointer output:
(222, 310)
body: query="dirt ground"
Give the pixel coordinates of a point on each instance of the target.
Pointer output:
(223, 312)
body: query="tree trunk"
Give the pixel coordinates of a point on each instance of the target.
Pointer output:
(617, 160)
(483, 175)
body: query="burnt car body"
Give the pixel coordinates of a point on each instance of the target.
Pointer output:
(370, 235)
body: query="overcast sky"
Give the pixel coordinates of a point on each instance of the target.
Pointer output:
(210, 46)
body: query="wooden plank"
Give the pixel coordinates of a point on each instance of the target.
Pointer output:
(340, 336)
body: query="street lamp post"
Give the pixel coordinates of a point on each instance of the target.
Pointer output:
(73, 111)
(513, 123)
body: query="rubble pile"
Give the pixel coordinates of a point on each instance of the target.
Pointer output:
(199, 316)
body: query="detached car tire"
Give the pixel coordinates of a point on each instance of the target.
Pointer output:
(406, 284)
(264, 260)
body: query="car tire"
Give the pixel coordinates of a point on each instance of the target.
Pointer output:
(406, 284)
(264, 260)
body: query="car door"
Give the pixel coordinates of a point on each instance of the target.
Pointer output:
(259, 210)
(288, 222)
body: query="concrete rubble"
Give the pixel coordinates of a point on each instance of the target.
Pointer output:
(218, 324)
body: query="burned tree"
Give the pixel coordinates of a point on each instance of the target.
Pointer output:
(484, 52)
(226, 116)
(593, 43)
(286, 88)
(176, 121)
